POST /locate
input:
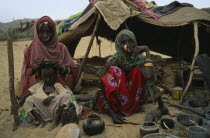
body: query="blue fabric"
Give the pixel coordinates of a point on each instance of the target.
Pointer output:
(68, 23)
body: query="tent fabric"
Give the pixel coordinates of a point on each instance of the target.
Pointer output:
(114, 12)
(59, 27)
(82, 19)
(167, 9)
(150, 5)
(68, 23)
(180, 17)
(173, 30)
(76, 32)
(115, 16)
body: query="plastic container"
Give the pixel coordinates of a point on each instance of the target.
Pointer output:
(177, 93)
(197, 132)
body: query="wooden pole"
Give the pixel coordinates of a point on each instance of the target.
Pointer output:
(99, 45)
(14, 107)
(99, 50)
(89, 46)
(195, 24)
(126, 26)
(188, 108)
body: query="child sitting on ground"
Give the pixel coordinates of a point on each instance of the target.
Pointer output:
(47, 98)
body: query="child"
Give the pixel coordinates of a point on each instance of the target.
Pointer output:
(47, 98)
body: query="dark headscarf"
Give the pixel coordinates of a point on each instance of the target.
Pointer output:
(120, 58)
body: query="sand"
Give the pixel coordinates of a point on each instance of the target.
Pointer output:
(6, 120)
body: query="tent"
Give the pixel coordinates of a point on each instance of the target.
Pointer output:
(181, 34)
(171, 35)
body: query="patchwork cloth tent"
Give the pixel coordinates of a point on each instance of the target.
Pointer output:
(172, 34)
(182, 33)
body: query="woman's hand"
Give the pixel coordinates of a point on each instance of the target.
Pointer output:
(37, 66)
(62, 70)
(48, 100)
(138, 50)
(117, 119)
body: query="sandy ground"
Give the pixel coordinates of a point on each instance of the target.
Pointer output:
(6, 120)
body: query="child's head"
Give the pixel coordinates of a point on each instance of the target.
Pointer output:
(48, 74)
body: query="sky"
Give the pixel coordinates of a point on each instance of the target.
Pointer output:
(60, 9)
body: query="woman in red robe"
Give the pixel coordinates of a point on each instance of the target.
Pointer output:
(123, 77)
(46, 47)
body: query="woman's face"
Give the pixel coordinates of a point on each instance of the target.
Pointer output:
(127, 44)
(45, 33)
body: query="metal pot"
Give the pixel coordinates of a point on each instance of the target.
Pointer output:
(93, 125)
(167, 123)
(197, 132)
(207, 115)
(186, 120)
(148, 128)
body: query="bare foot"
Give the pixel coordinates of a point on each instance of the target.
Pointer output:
(140, 110)
(53, 126)
(42, 124)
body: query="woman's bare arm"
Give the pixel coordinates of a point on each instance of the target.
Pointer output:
(147, 71)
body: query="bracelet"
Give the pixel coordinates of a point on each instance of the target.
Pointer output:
(147, 59)
(106, 107)
(69, 70)
(105, 102)
(101, 96)
(148, 65)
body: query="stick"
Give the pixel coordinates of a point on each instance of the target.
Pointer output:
(193, 62)
(129, 122)
(158, 73)
(14, 107)
(115, 125)
(187, 108)
(99, 45)
(89, 46)
(88, 65)
(126, 26)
